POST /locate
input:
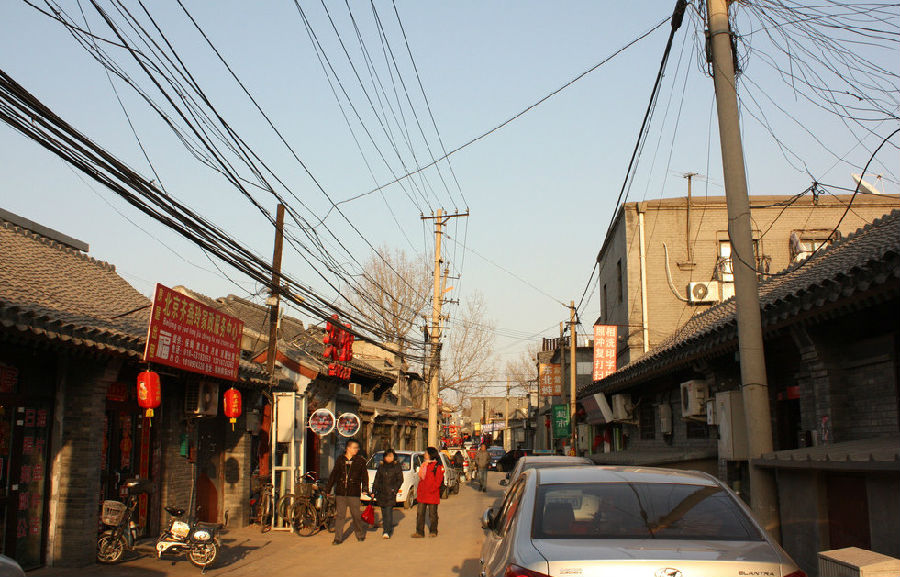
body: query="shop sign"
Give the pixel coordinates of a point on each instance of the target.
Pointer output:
(606, 346)
(550, 379)
(561, 429)
(9, 377)
(189, 335)
(348, 425)
(321, 422)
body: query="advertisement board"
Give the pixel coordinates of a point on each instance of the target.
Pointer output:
(550, 379)
(606, 347)
(189, 335)
(321, 422)
(560, 424)
(348, 425)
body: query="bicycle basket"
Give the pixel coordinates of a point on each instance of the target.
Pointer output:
(304, 489)
(113, 512)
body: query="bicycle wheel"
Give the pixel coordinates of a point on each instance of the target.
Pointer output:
(283, 508)
(265, 511)
(328, 514)
(304, 518)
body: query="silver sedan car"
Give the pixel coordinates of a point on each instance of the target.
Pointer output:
(592, 521)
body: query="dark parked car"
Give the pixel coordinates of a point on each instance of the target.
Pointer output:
(508, 461)
(496, 453)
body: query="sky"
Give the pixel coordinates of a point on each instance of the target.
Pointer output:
(540, 191)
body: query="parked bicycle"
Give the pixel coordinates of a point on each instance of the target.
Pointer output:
(313, 510)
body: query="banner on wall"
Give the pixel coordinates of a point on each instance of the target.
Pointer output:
(606, 347)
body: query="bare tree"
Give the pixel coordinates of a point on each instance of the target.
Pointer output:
(467, 354)
(522, 370)
(393, 293)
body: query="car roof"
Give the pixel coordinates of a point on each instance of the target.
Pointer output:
(602, 474)
(555, 459)
(399, 452)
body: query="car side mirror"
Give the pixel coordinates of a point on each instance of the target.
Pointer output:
(504, 482)
(487, 518)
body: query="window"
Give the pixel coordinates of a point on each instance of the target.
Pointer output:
(647, 418)
(605, 311)
(619, 280)
(804, 243)
(584, 367)
(725, 266)
(637, 510)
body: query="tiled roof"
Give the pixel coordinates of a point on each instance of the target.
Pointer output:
(866, 454)
(868, 258)
(57, 292)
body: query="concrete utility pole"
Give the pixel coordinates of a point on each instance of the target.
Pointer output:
(438, 299)
(275, 298)
(572, 373)
(754, 384)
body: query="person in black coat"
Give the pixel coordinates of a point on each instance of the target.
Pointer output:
(388, 479)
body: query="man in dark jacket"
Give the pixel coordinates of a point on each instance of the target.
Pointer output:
(388, 480)
(349, 479)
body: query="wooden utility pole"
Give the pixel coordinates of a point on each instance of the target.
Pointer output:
(275, 295)
(754, 383)
(438, 299)
(507, 445)
(573, 340)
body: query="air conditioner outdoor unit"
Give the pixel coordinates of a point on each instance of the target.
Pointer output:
(856, 562)
(623, 410)
(693, 399)
(665, 419)
(202, 399)
(703, 292)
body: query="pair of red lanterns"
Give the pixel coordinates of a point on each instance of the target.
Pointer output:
(338, 347)
(149, 396)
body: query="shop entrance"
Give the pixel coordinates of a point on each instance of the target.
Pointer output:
(24, 440)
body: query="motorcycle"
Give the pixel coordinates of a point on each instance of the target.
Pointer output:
(122, 533)
(198, 540)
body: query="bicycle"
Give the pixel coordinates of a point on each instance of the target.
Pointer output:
(313, 510)
(266, 509)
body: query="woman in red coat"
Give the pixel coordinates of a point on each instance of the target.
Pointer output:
(428, 494)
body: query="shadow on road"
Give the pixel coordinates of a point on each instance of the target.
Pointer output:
(469, 568)
(231, 551)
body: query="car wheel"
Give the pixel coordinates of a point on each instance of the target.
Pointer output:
(410, 501)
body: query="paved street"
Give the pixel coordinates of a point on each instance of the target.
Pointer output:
(247, 552)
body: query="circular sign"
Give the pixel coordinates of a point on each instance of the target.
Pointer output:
(321, 422)
(348, 424)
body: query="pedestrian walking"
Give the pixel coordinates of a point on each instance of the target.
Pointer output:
(350, 480)
(458, 460)
(482, 460)
(431, 477)
(388, 479)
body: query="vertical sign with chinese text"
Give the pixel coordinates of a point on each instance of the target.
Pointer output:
(561, 428)
(605, 350)
(550, 379)
(187, 334)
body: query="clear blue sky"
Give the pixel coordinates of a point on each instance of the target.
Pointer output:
(541, 190)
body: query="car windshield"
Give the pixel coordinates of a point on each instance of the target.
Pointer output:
(639, 511)
(402, 458)
(496, 451)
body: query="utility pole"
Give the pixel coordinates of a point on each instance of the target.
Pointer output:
(572, 373)
(506, 441)
(438, 299)
(754, 383)
(275, 295)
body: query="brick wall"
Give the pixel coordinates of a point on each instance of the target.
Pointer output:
(177, 471)
(238, 467)
(75, 469)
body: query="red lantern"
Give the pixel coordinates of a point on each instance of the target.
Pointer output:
(149, 393)
(232, 405)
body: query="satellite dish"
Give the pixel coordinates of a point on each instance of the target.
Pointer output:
(864, 187)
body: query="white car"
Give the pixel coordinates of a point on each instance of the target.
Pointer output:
(409, 463)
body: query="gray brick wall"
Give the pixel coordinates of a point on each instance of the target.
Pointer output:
(75, 470)
(177, 471)
(237, 467)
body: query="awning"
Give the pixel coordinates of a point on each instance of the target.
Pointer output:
(597, 411)
(878, 454)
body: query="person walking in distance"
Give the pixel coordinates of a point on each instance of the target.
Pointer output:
(431, 477)
(482, 460)
(388, 480)
(349, 479)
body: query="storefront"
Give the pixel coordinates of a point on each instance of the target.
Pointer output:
(26, 416)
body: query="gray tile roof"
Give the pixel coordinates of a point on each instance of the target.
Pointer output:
(868, 258)
(866, 454)
(52, 290)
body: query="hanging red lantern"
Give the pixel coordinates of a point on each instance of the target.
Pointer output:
(232, 405)
(149, 392)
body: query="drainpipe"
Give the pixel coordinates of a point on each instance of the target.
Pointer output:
(645, 329)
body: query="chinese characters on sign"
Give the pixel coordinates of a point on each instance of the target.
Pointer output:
(550, 378)
(348, 424)
(605, 350)
(561, 428)
(321, 422)
(189, 335)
